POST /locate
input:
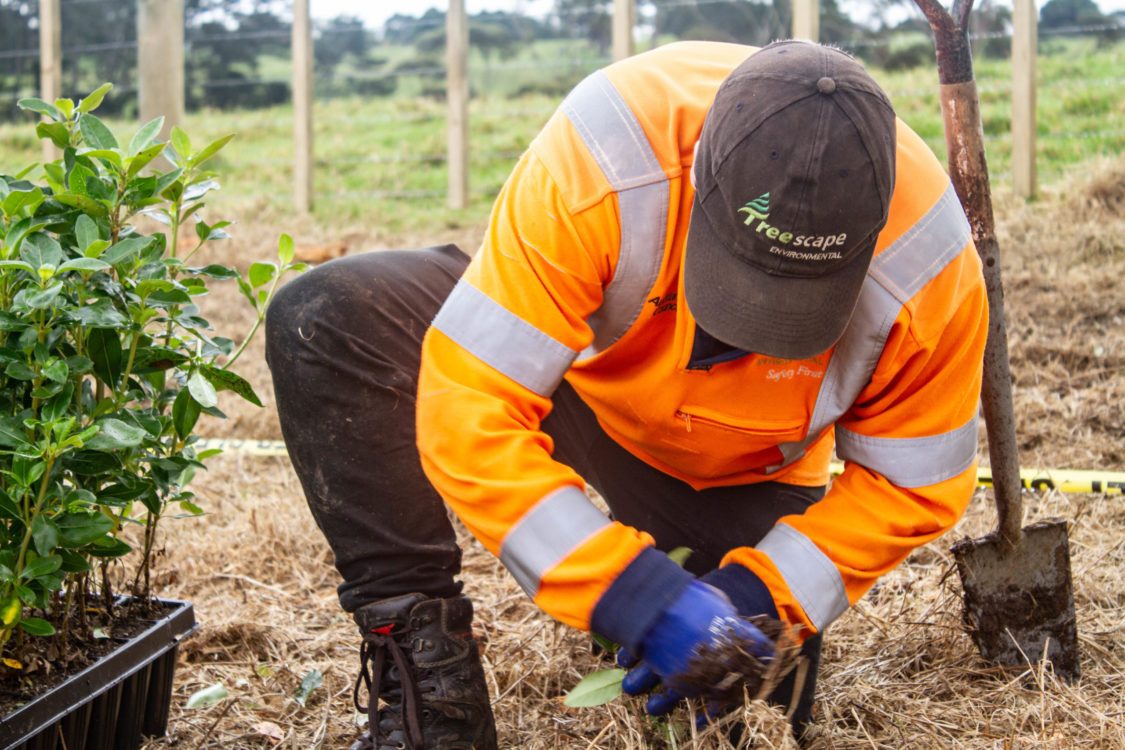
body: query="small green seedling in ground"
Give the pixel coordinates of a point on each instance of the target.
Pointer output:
(722, 676)
(603, 686)
(208, 696)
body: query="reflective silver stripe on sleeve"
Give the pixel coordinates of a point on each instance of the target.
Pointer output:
(621, 149)
(503, 340)
(896, 275)
(644, 217)
(809, 574)
(612, 134)
(558, 524)
(927, 247)
(912, 462)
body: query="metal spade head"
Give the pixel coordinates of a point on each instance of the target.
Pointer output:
(1018, 598)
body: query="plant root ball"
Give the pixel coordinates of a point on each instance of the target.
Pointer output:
(722, 673)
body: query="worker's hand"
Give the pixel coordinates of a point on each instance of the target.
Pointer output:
(701, 618)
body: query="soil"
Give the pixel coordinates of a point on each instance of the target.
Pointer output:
(725, 672)
(48, 662)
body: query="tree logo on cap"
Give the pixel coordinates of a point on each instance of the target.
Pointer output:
(759, 208)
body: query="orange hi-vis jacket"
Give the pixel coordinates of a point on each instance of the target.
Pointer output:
(579, 277)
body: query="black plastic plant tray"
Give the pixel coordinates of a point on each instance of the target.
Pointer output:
(115, 702)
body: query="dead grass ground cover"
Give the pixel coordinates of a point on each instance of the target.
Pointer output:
(898, 669)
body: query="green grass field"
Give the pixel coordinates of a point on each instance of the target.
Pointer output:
(380, 161)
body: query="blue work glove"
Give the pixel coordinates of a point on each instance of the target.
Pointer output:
(700, 618)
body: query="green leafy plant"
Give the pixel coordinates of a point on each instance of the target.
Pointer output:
(106, 364)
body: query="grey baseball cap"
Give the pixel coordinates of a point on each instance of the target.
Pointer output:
(793, 177)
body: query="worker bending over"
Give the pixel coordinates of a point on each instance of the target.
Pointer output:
(714, 265)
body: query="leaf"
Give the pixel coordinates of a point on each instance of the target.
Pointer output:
(215, 271)
(210, 150)
(17, 200)
(80, 529)
(9, 509)
(285, 250)
(19, 371)
(95, 133)
(185, 413)
(680, 555)
(191, 507)
(44, 299)
(142, 160)
(45, 534)
(56, 370)
(310, 682)
(146, 135)
(82, 202)
(181, 142)
(10, 610)
(104, 347)
(66, 106)
(208, 696)
(43, 566)
(115, 435)
(86, 232)
(11, 664)
(84, 264)
(56, 132)
(126, 249)
(12, 432)
(94, 99)
(108, 547)
(73, 562)
(225, 380)
(33, 104)
(168, 297)
(105, 154)
(21, 265)
(36, 626)
(42, 250)
(76, 180)
(202, 390)
(101, 314)
(596, 689)
(95, 248)
(261, 273)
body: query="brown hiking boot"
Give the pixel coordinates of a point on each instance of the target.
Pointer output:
(419, 657)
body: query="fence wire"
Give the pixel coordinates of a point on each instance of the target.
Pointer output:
(383, 102)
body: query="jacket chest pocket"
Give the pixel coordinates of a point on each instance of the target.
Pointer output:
(759, 432)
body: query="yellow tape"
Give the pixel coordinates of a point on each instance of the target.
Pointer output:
(1064, 480)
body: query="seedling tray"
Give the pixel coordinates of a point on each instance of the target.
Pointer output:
(115, 702)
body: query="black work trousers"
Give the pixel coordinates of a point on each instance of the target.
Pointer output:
(343, 344)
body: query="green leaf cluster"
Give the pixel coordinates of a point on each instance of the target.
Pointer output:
(106, 363)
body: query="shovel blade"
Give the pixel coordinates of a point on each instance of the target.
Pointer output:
(1019, 603)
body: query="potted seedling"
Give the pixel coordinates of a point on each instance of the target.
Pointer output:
(106, 368)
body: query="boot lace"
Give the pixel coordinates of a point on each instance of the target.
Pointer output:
(372, 660)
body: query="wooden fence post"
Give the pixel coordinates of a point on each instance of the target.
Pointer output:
(1025, 37)
(160, 61)
(624, 18)
(302, 53)
(457, 98)
(50, 62)
(806, 19)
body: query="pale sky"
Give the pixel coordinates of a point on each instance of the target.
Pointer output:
(375, 12)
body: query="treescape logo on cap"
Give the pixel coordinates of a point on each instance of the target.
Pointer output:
(758, 211)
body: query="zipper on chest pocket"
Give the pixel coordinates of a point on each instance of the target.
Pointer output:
(776, 430)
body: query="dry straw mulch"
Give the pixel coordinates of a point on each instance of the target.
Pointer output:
(898, 671)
